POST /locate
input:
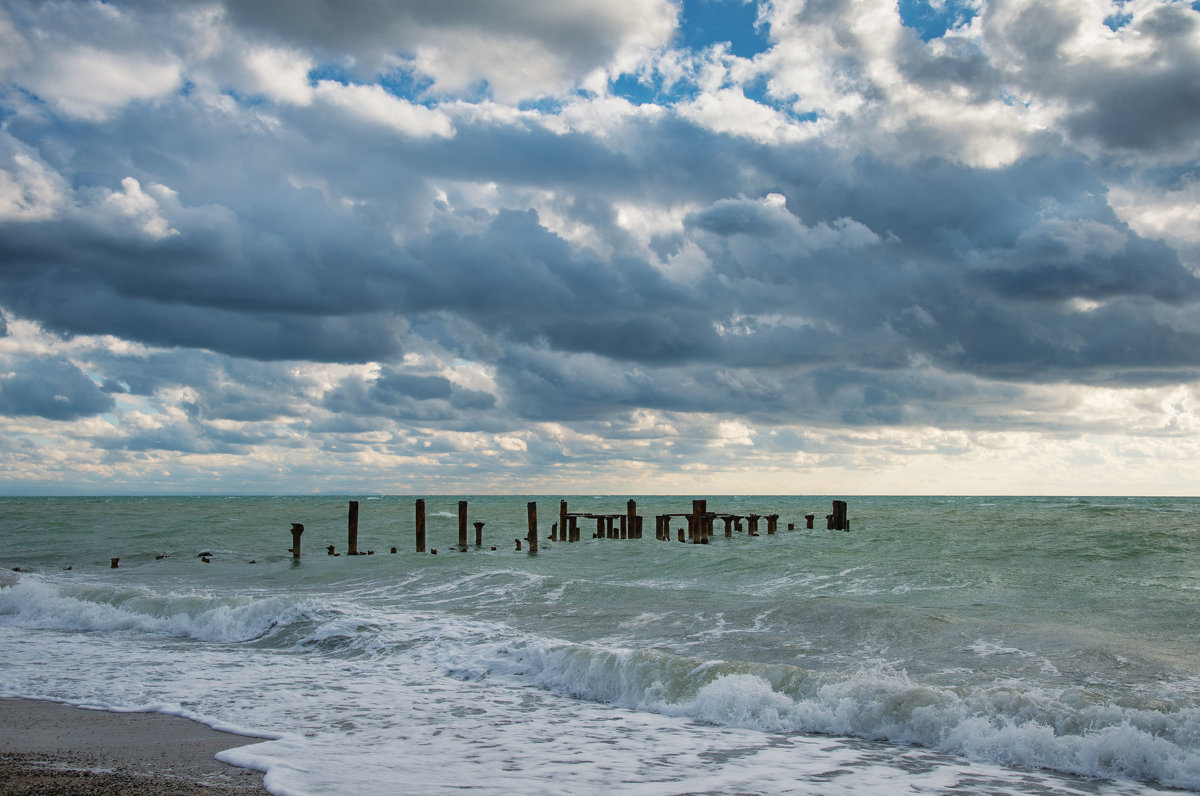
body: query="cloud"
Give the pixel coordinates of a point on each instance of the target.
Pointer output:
(49, 388)
(550, 240)
(520, 50)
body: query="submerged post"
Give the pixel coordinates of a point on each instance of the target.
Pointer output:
(462, 523)
(352, 529)
(631, 518)
(698, 510)
(533, 532)
(420, 525)
(478, 533)
(297, 529)
(808, 520)
(564, 530)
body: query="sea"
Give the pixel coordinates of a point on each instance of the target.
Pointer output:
(942, 645)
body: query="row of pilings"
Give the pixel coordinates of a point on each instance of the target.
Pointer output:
(700, 524)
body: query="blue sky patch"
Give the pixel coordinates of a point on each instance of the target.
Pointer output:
(931, 21)
(707, 22)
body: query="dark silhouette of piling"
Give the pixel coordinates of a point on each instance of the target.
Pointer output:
(808, 519)
(772, 523)
(533, 531)
(564, 531)
(114, 563)
(478, 533)
(420, 525)
(297, 529)
(462, 523)
(352, 530)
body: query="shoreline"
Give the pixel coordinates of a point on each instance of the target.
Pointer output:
(54, 748)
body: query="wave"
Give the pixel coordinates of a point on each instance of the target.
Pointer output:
(36, 604)
(1015, 722)
(1009, 723)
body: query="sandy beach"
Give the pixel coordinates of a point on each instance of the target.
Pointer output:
(49, 748)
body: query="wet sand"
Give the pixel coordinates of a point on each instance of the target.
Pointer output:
(48, 748)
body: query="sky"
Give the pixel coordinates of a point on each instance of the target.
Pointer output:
(619, 247)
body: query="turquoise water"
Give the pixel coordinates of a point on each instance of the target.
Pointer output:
(978, 645)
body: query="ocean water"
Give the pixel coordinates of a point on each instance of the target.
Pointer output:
(942, 646)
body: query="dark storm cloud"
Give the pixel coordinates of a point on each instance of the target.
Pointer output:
(50, 388)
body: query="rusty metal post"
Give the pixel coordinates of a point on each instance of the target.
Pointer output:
(462, 523)
(420, 525)
(533, 531)
(352, 530)
(699, 508)
(297, 529)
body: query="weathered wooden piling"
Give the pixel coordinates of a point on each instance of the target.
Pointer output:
(753, 519)
(297, 529)
(114, 563)
(808, 519)
(352, 529)
(772, 523)
(462, 523)
(574, 521)
(533, 530)
(631, 519)
(420, 525)
(699, 508)
(478, 533)
(728, 520)
(564, 531)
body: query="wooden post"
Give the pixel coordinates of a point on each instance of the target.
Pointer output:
(631, 518)
(699, 508)
(462, 523)
(420, 525)
(753, 523)
(611, 528)
(772, 523)
(808, 520)
(681, 532)
(637, 526)
(114, 563)
(352, 529)
(623, 527)
(574, 523)
(533, 532)
(599, 527)
(728, 526)
(563, 527)
(478, 533)
(297, 529)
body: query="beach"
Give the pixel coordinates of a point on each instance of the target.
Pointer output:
(51, 748)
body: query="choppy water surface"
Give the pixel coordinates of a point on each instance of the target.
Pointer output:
(944, 645)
